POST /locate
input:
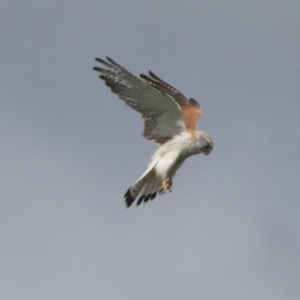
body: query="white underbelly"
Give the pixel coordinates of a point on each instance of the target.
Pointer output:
(171, 156)
(168, 165)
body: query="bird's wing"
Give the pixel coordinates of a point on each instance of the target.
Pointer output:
(162, 114)
(191, 109)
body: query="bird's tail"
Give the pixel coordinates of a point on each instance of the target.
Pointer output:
(146, 188)
(149, 185)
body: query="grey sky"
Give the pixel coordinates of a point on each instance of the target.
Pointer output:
(70, 149)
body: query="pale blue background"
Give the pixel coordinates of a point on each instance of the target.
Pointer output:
(70, 149)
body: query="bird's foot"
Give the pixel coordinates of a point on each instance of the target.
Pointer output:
(170, 185)
(166, 186)
(163, 187)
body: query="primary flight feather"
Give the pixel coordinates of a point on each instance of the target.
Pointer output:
(170, 119)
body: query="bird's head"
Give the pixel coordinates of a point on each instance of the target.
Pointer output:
(204, 143)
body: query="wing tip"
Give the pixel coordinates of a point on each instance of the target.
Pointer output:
(97, 69)
(110, 60)
(100, 60)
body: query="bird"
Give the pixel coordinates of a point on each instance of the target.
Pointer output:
(170, 120)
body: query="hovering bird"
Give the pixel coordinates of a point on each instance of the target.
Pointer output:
(170, 120)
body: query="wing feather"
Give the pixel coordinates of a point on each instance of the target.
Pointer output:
(191, 109)
(162, 114)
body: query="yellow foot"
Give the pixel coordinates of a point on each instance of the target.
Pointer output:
(163, 187)
(169, 185)
(166, 185)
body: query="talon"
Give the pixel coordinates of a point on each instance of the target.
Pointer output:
(170, 185)
(164, 187)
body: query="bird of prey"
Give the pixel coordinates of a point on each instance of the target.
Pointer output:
(170, 120)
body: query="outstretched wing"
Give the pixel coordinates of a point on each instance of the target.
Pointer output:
(162, 114)
(190, 107)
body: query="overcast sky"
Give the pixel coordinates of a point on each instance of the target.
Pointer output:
(70, 149)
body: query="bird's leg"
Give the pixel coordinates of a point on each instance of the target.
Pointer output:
(169, 185)
(166, 185)
(163, 187)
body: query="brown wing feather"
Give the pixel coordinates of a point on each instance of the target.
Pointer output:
(191, 114)
(191, 109)
(165, 88)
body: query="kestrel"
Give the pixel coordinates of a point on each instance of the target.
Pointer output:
(170, 120)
